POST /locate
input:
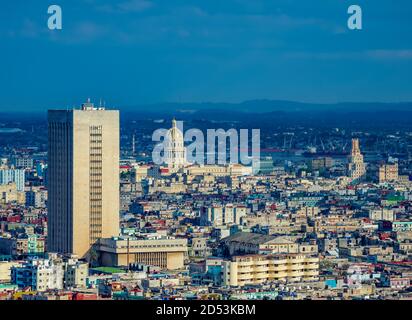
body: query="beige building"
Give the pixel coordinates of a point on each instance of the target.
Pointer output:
(356, 167)
(166, 253)
(321, 163)
(199, 248)
(218, 215)
(5, 270)
(75, 273)
(218, 170)
(9, 193)
(253, 243)
(258, 269)
(406, 247)
(388, 173)
(382, 214)
(83, 203)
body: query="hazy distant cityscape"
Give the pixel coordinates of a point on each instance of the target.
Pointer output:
(216, 152)
(324, 213)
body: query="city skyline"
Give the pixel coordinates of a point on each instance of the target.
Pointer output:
(86, 214)
(237, 150)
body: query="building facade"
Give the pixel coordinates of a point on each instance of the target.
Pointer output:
(258, 269)
(356, 166)
(55, 272)
(388, 173)
(218, 215)
(9, 193)
(13, 176)
(83, 178)
(166, 253)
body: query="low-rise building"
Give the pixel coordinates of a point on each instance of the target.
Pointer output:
(54, 272)
(167, 253)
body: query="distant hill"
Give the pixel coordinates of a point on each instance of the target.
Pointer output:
(255, 107)
(264, 106)
(271, 113)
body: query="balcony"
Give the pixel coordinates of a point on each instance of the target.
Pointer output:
(295, 274)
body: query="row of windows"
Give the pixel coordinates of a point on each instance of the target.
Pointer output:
(95, 167)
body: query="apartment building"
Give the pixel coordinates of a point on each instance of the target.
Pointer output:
(55, 272)
(220, 215)
(388, 172)
(258, 269)
(253, 243)
(16, 176)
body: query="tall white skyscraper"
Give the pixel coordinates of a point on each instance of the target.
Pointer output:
(83, 178)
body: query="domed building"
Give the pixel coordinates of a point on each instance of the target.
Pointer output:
(175, 151)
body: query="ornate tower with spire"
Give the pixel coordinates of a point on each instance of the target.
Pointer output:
(356, 167)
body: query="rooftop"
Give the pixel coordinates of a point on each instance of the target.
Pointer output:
(253, 238)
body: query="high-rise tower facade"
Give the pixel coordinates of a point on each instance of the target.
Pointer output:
(83, 184)
(356, 167)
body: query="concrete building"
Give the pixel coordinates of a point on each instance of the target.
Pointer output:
(30, 244)
(22, 162)
(75, 273)
(13, 247)
(219, 170)
(388, 172)
(199, 247)
(55, 272)
(218, 215)
(83, 178)
(321, 163)
(253, 243)
(38, 274)
(262, 166)
(382, 214)
(356, 166)
(13, 176)
(5, 270)
(167, 253)
(9, 193)
(258, 269)
(36, 197)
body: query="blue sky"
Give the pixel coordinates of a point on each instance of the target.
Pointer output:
(132, 52)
